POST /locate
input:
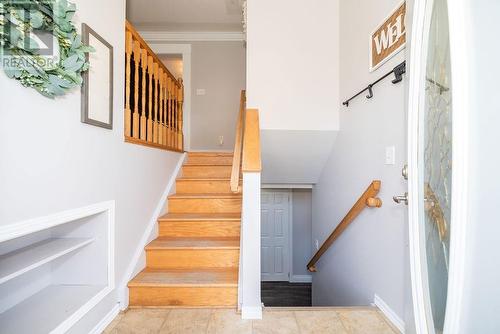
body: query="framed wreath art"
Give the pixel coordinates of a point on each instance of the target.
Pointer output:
(40, 46)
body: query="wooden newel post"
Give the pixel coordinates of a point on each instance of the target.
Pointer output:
(180, 116)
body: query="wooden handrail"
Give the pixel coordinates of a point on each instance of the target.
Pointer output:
(251, 143)
(153, 97)
(367, 199)
(238, 146)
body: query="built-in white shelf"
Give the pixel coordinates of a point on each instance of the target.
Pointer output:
(28, 258)
(55, 269)
(34, 315)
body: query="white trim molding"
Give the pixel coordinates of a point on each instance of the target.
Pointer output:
(250, 274)
(395, 320)
(135, 264)
(301, 279)
(192, 36)
(108, 318)
(287, 186)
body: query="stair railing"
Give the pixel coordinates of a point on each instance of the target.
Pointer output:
(153, 97)
(367, 199)
(238, 146)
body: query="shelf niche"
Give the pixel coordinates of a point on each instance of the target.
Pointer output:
(54, 269)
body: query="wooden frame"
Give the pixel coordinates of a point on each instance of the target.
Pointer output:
(373, 67)
(87, 100)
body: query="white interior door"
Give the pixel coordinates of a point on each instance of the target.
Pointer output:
(430, 163)
(275, 235)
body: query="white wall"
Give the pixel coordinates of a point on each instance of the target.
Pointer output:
(481, 293)
(292, 68)
(50, 161)
(293, 79)
(369, 258)
(301, 230)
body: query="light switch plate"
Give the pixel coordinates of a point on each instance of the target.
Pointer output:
(390, 155)
(200, 91)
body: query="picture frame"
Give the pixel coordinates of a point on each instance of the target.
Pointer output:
(97, 87)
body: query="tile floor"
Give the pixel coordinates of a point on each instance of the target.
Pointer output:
(275, 321)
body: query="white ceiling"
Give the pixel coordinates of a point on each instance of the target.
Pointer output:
(185, 15)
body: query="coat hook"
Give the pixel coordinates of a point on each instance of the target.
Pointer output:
(370, 92)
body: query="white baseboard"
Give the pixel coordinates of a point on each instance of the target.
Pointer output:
(133, 266)
(390, 314)
(251, 312)
(101, 326)
(301, 279)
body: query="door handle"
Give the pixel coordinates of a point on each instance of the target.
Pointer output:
(401, 199)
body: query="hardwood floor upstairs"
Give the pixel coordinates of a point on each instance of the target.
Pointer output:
(194, 261)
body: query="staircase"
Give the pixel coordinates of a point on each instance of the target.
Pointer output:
(194, 261)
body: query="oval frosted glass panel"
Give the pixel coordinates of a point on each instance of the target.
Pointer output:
(437, 159)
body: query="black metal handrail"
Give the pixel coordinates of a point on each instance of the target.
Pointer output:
(398, 72)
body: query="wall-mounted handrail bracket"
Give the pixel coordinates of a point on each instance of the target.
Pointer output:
(398, 72)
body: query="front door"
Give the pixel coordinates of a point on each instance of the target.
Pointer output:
(275, 233)
(430, 163)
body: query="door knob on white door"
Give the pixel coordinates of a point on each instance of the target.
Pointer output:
(401, 199)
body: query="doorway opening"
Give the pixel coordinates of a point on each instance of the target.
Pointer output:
(286, 247)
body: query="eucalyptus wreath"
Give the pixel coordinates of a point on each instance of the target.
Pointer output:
(20, 20)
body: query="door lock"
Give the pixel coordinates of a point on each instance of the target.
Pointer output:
(404, 172)
(401, 199)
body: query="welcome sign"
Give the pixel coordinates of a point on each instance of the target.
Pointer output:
(389, 38)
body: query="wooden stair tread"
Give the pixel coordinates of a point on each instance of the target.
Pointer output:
(186, 277)
(204, 154)
(165, 243)
(215, 195)
(200, 217)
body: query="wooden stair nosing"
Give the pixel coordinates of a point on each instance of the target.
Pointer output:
(200, 217)
(216, 277)
(183, 243)
(213, 153)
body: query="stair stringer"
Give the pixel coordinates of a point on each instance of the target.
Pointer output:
(138, 261)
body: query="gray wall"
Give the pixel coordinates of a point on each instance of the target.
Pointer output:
(369, 258)
(302, 219)
(219, 68)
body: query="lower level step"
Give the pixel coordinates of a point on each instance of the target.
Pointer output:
(190, 288)
(186, 253)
